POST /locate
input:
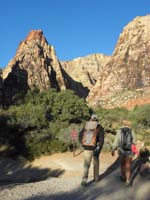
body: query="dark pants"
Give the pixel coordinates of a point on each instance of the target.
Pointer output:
(126, 167)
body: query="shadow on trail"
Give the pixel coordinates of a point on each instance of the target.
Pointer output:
(110, 169)
(17, 171)
(141, 166)
(109, 187)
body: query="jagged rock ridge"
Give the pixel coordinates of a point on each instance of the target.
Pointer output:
(127, 75)
(122, 79)
(35, 65)
(86, 69)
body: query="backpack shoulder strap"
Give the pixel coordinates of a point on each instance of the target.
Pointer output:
(91, 125)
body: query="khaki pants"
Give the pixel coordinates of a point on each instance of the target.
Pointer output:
(88, 155)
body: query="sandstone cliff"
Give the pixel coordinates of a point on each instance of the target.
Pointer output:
(35, 65)
(86, 69)
(126, 77)
(122, 79)
(36, 58)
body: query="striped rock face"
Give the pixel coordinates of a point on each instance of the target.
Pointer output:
(125, 79)
(36, 65)
(122, 79)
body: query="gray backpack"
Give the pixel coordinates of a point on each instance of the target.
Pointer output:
(126, 138)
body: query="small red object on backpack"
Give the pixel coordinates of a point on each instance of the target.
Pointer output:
(134, 149)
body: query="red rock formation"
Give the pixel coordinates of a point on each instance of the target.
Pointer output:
(120, 80)
(128, 69)
(86, 69)
(36, 65)
(36, 35)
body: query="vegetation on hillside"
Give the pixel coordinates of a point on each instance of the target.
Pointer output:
(32, 126)
(41, 122)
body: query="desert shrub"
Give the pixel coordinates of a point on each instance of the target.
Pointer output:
(42, 122)
(111, 119)
(28, 115)
(65, 135)
(33, 127)
(58, 146)
(69, 107)
(109, 138)
(35, 150)
(141, 116)
(42, 142)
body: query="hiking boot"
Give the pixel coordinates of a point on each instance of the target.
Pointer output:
(83, 183)
(127, 183)
(123, 179)
(96, 179)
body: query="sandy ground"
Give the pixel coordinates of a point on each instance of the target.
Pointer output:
(72, 165)
(58, 177)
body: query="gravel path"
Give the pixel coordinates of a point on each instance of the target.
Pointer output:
(68, 186)
(43, 188)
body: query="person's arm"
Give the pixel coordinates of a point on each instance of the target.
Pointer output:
(80, 136)
(100, 136)
(133, 137)
(115, 143)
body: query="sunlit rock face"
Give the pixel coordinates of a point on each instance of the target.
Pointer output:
(36, 65)
(122, 79)
(125, 79)
(86, 69)
(37, 59)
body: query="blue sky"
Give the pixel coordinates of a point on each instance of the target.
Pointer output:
(74, 27)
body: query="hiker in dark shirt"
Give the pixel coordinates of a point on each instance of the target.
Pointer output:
(125, 154)
(92, 138)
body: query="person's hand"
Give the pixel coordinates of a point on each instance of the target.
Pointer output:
(96, 151)
(113, 153)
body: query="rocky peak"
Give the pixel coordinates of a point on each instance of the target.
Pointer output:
(129, 67)
(38, 59)
(134, 37)
(36, 65)
(120, 79)
(36, 35)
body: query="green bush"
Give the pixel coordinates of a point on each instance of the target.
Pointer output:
(35, 150)
(33, 127)
(41, 122)
(141, 116)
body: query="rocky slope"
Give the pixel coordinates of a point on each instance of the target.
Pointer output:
(126, 76)
(86, 69)
(36, 65)
(122, 79)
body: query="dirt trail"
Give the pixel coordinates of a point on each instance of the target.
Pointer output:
(71, 165)
(58, 177)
